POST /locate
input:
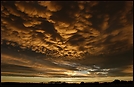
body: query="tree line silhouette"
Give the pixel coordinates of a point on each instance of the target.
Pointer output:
(115, 83)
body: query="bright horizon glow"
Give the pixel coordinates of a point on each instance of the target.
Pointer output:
(68, 80)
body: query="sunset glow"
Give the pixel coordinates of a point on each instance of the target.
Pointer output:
(68, 41)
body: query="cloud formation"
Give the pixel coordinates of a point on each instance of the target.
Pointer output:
(66, 38)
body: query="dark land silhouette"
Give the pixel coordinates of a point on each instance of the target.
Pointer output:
(115, 83)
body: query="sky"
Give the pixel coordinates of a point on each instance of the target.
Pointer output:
(69, 41)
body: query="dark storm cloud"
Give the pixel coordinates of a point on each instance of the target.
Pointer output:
(114, 14)
(49, 28)
(119, 60)
(66, 14)
(65, 38)
(76, 39)
(25, 62)
(16, 68)
(119, 72)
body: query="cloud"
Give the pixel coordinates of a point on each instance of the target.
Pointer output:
(52, 6)
(65, 39)
(129, 69)
(26, 8)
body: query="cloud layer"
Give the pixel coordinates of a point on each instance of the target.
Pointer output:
(66, 39)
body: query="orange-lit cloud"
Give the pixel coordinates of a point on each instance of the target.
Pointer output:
(129, 69)
(58, 39)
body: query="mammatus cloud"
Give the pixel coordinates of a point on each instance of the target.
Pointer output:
(66, 39)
